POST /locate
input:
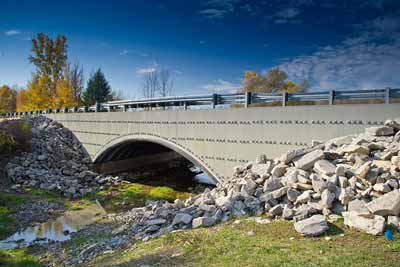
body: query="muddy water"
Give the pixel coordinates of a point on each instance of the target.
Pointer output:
(56, 230)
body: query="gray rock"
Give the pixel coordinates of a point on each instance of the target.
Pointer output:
(380, 131)
(394, 221)
(307, 161)
(388, 204)
(203, 222)
(324, 167)
(279, 170)
(327, 198)
(371, 224)
(318, 184)
(272, 184)
(155, 222)
(313, 226)
(182, 218)
(292, 194)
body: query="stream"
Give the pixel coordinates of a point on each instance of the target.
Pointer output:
(55, 230)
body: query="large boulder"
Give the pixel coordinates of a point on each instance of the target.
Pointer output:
(380, 131)
(313, 226)
(371, 224)
(388, 204)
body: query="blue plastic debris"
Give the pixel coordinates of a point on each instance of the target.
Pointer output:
(389, 235)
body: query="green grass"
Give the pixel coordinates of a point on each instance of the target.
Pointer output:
(7, 143)
(18, 258)
(275, 244)
(8, 204)
(127, 196)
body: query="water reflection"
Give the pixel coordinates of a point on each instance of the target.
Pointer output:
(57, 230)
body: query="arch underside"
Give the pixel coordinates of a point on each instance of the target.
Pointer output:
(134, 145)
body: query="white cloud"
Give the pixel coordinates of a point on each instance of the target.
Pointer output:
(146, 70)
(12, 32)
(218, 9)
(370, 59)
(221, 85)
(286, 16)
(130, 51)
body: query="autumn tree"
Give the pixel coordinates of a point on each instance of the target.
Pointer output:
(65, 95)
(7, 99)
(273, 81)
(98, 90)
(22, 100)
(50, 58)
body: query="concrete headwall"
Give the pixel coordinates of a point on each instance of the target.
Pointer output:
(219, 139)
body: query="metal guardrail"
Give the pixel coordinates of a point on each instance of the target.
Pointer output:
(245, 99)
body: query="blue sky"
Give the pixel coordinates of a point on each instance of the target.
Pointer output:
(207, 45)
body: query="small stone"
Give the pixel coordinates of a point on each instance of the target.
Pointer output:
(272, 184)
(251, 233)
(324, 167)
(383, 188)
(327, 198)
(182, 218)
(203, 222)
(279, 170)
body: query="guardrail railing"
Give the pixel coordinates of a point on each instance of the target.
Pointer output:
(236, 99)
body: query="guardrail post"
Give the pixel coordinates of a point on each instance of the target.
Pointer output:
(284, 99)
(387, 95)
(85, 109)
(75, 109)
(98, 107)
(332, 97)
(66, 110)
(247, 99)
(214, 100)
(185, 105)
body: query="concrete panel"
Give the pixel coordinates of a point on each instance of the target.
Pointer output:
(219, 139)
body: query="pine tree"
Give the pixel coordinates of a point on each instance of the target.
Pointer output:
(98, 90)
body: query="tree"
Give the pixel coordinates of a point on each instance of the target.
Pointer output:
(65, 95)
(273, 81)
(157, 83)
(150, 85)
(166, 83)
(22, 100)
(7, 99)
(98, 90)
(74, 74)
(50, 58)
(39, 95)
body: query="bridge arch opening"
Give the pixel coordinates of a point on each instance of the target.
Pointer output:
(153, 161)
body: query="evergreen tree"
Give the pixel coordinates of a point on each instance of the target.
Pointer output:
(97, 90)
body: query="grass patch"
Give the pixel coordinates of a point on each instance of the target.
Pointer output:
(127, 196)
(18, 258)
(163, 192)
(275, 244)
(8, 204)
(7, 143)
(42, 194)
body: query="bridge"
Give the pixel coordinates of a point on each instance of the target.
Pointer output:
(218, 132)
